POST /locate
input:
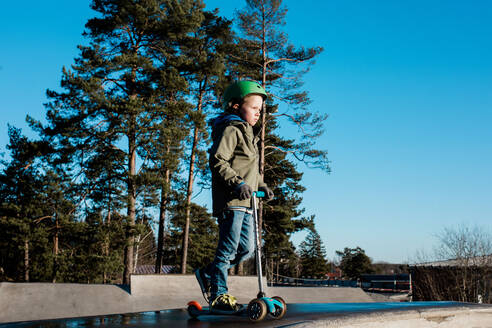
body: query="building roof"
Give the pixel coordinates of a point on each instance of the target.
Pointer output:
(470, 261)
(150, 269)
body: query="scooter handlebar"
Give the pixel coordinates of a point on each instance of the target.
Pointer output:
(260, 194)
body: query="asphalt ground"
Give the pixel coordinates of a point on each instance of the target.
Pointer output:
(296, 314)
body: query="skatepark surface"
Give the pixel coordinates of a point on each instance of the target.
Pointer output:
(160, 301)
(44, 301)
(341, 315)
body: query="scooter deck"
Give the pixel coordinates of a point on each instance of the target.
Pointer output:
(196, 311)
(208, 311)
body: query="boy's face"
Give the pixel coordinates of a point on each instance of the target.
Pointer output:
(250, 110)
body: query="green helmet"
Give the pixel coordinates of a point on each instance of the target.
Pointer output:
(240, 89)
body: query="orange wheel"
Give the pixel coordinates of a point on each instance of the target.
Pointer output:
(194, 309)
(257, 310)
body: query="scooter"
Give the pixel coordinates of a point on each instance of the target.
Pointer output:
(258, 308)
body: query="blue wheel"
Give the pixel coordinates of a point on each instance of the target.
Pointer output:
(279, 311)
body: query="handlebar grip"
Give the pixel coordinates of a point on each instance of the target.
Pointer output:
(260, 194)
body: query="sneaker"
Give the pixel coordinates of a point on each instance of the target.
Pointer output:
(224, 303)
(204, 283)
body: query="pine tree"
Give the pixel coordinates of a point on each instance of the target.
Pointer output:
(57, 194)
(313, 255)
(279, 216)
(183, 19)
(116, 95)
(354, 262)
(205, 50)
(265, 54)
(165, 156)
(25, 250)
(38, 218)
(106, 206)
(203, 235)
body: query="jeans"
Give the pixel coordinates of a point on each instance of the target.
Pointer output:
(236, 244)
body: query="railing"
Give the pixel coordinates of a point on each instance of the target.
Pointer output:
(398, 283)
(381, 283)
(280, 280)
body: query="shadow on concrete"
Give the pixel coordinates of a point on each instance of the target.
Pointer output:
(297, 314)
(126, 288)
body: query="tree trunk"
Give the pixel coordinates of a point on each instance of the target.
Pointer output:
(26, 260)
(105, 246)
(137, 247)
(240, 269)
(128, 261)
(189, 190)
(261, 145)
(263, 124)
(132, 190)
(55, 252)
(105, 250)
(160, 234)
(278, 262)
(162, 221)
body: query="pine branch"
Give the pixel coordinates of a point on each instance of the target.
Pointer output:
(299, 125)
(245, 60)
(268, 62)
(279, 149)
(38, 220)
(115, 81)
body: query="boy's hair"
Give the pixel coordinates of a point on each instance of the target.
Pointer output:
(229, 107)
(237, 92)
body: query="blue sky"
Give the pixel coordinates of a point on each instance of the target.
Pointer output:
(407, 86)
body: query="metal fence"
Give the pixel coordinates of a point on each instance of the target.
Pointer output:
(378, 283)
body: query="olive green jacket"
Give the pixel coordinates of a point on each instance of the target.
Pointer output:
(233, 159)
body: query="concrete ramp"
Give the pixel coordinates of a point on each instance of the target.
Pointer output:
(40, 301)
(175, 291)
(320, 294)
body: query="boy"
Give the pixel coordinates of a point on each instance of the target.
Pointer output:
(235, 175)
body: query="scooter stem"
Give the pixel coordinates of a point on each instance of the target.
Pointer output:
(258, 243)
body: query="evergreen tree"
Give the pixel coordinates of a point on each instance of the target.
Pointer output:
(44, 240)
(313, 255)
(265, 54)
(165, 157)
(129, 126)
(205, 50)
(106, 204)
(354, 262)
(24, 242)
(82, 258)
(183, 20)
(279, 214)
(119, 90)
(57, 194)
(203, 235)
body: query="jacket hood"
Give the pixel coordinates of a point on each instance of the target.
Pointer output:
(221, 122)
(226, 118)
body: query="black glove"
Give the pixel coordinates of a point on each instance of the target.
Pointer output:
(244, 191)
(268, 192)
